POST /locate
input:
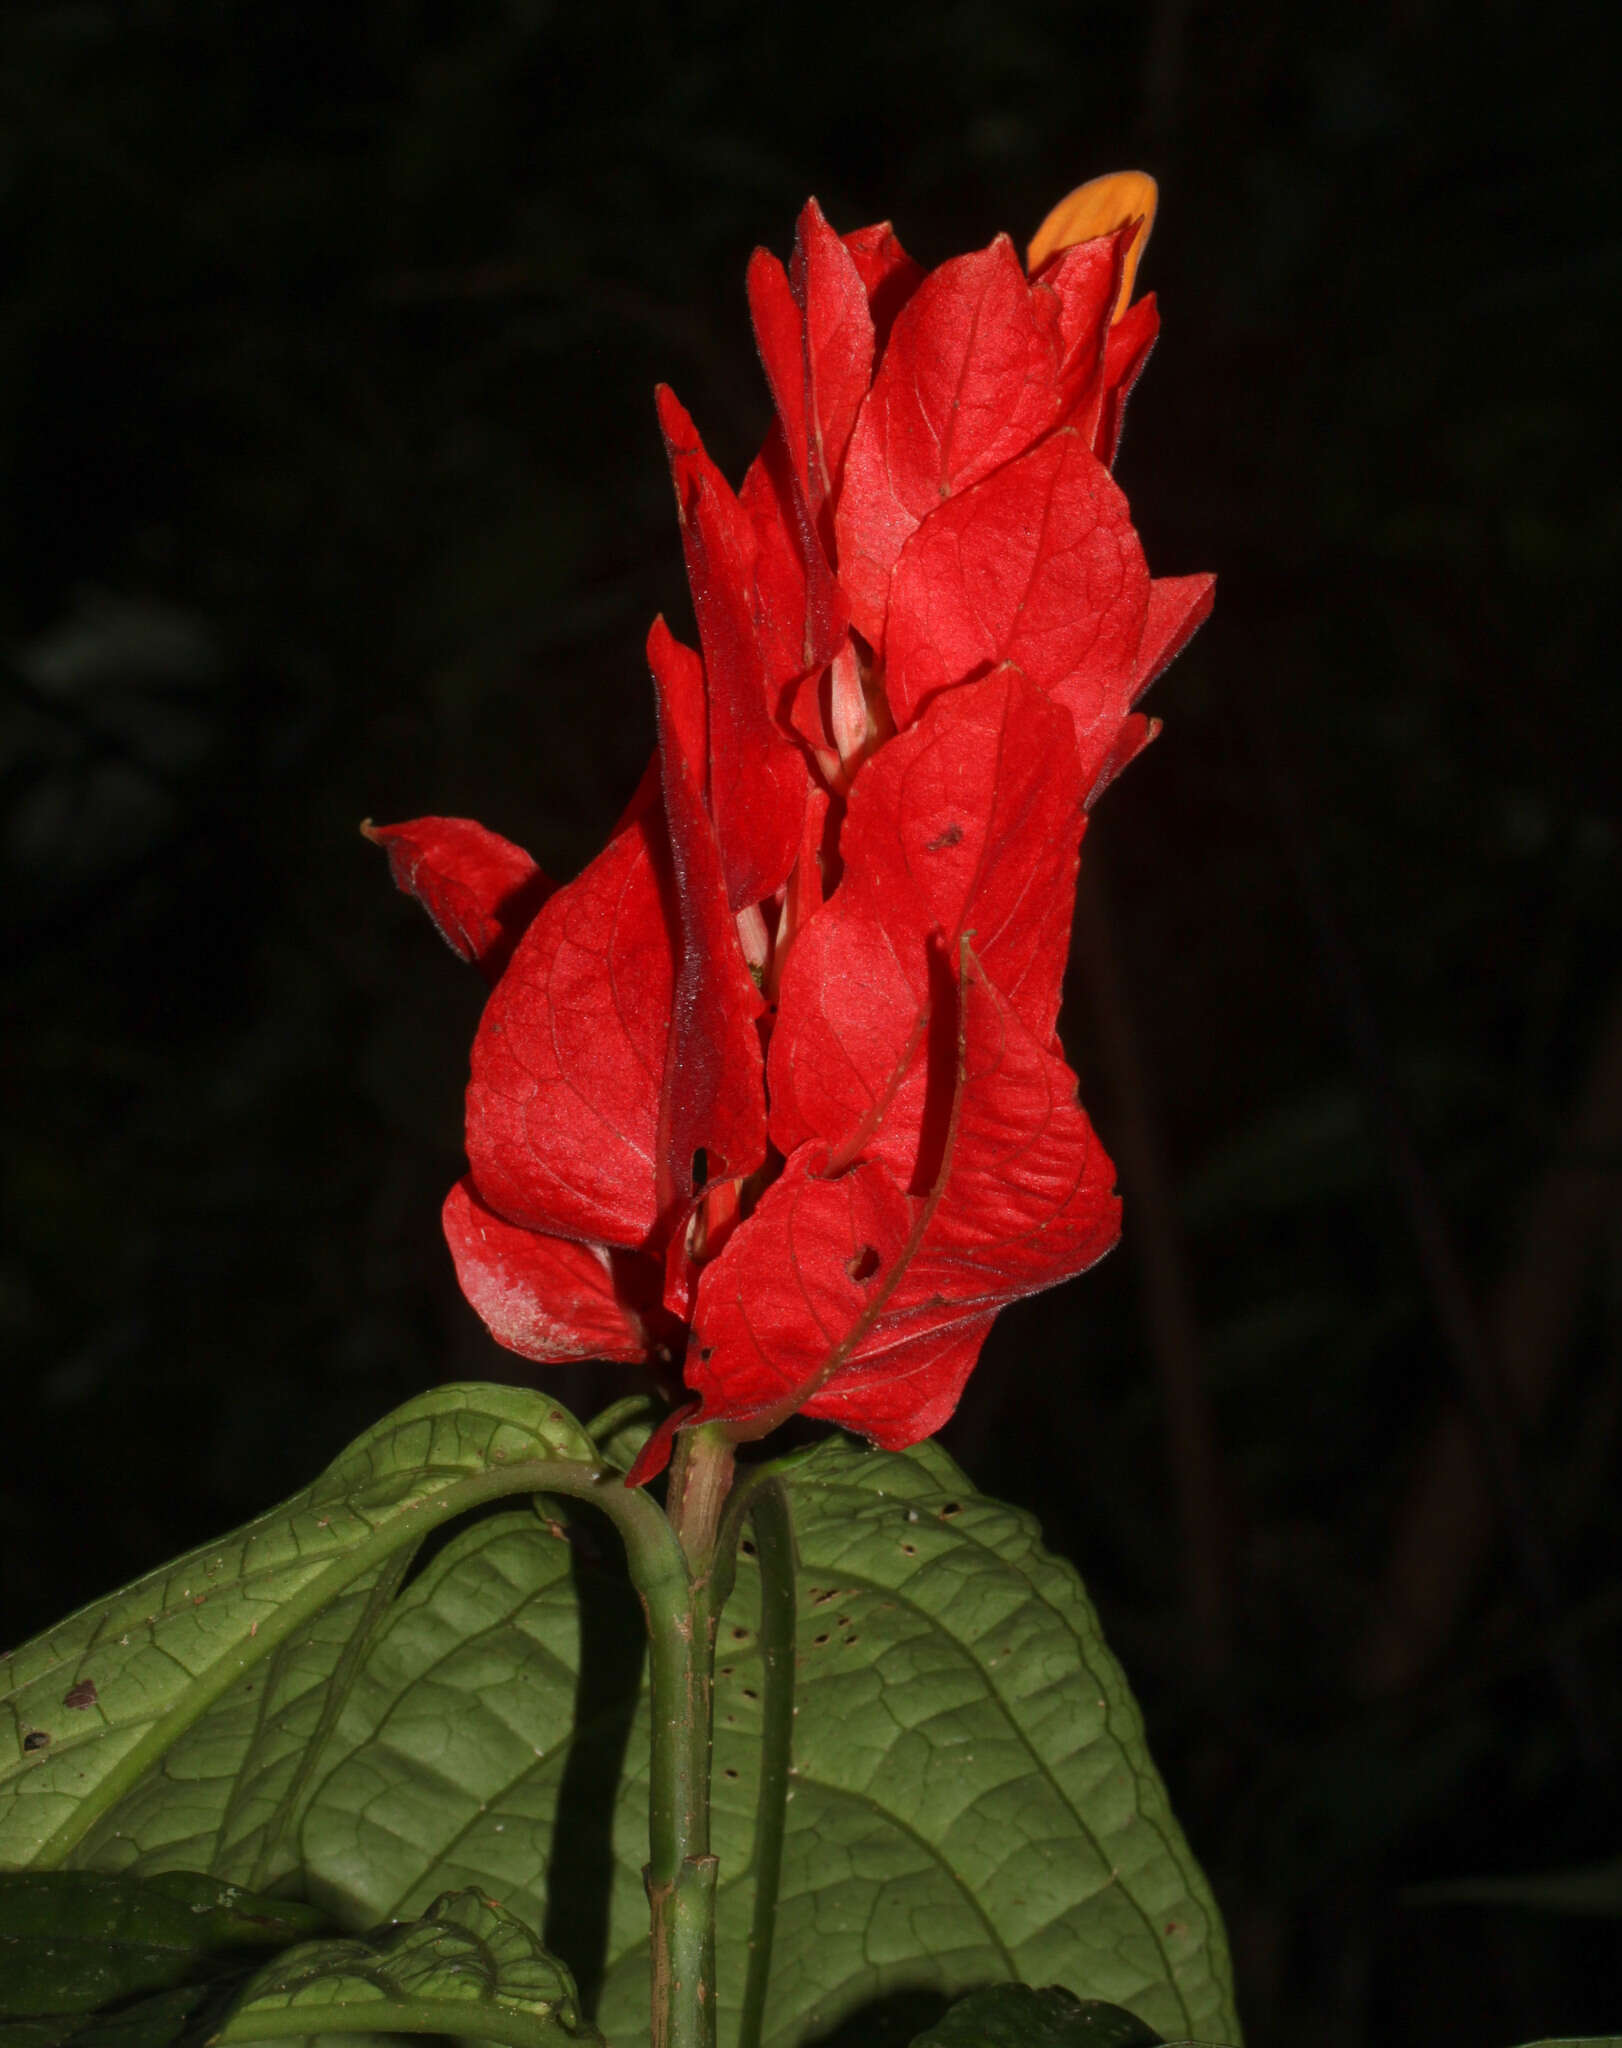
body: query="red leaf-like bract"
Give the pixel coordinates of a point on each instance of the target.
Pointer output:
(968, 822)
(1039, 565)
(969, 380)
(714, 1091)
(547, 1298)
(480, 890)
(846, 1298)
(889, 275)
(838, 348)
(568, 1065)
(757, 778)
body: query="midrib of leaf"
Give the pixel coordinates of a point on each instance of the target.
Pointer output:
(335, 1693)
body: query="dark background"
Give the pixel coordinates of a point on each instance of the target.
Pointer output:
(332, 488)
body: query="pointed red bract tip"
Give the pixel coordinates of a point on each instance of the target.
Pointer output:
(480, 890)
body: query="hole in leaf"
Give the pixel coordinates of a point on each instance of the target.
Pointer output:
(952, 1507)
(864, 1265)
(747, 1547)
(701, 1168)
(819, 1640)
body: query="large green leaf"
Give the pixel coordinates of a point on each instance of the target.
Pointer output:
(72, 1941)
(972, 1799)
(466, 1968)
(177, 1723)
(165, 2020)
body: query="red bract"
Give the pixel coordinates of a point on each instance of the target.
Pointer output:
(771, 1097)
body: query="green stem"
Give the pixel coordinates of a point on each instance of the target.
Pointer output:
(700, 1480)
(681, 1871)
(768, 1512)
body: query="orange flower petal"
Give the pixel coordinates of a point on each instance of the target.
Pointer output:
(1098, 208)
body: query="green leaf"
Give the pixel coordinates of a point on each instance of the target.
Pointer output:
(71, 1941)
(1015, 2016)
(235, 1632)
(972, 1799)
(165, 2020)
(465, 1968)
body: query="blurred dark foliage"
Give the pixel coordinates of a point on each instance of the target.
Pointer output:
(332, 488)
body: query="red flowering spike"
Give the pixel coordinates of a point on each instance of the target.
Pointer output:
(1178, 607)
(1039, 565)
(838, 348)
(969, 821)
(970, 379)
(714, 1096)
(889, 275)
(845, 1298)
(547, 1298)
(480, 890)
(757, 778)
(568, 1066)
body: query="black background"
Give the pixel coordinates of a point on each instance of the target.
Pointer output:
(332, 488)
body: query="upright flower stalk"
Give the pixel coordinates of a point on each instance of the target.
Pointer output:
(770, 1098)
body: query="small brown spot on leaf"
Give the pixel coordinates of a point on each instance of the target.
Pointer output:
(952, 836)
(36, 1738)
(81, 1695)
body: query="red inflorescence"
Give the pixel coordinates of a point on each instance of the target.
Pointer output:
(771, 1096)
